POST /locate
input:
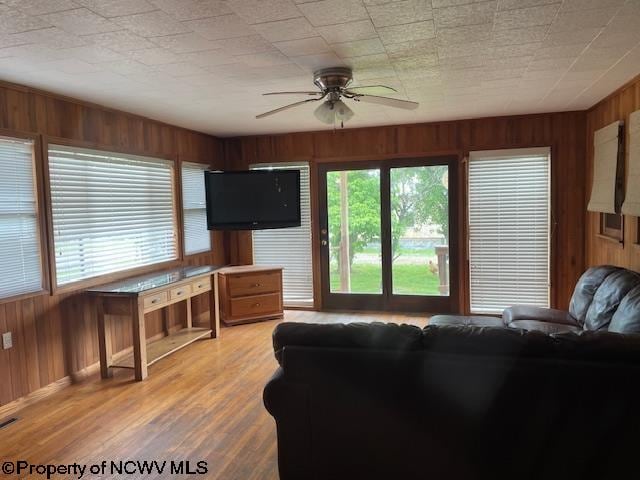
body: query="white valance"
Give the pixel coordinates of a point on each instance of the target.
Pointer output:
(631, 204)
(605, 169)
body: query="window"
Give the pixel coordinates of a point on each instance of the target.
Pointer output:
(20, 256)
(111, 212)
(196, 236)
(509, 234)
(290, 247)
(611, 226)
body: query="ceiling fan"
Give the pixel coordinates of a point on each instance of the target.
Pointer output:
(333, 84)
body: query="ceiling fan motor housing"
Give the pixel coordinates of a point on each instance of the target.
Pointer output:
(332, 79)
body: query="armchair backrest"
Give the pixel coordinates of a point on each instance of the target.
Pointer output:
(598, 296)
(627, 317)
(608, 297)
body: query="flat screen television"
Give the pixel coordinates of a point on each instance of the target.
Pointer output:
(253, 200)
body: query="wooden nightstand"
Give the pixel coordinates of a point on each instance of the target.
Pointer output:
(250, 294)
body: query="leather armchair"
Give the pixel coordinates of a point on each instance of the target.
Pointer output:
(602, 294)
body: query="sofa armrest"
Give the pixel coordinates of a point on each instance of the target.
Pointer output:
(289, 404)
(528, 312)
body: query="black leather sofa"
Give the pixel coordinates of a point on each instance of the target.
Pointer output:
(385, 401)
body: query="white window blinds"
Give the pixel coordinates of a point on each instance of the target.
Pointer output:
(196, 236)
(509, 205)
(19, 239)
(290, 247)
(111, 212)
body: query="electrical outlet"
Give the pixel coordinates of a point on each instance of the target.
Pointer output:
(7, 340)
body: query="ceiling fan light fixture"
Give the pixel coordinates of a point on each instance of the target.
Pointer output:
(332, 112)
(325, 113)
(343, 113)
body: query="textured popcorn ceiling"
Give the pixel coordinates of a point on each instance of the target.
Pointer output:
(203, 64)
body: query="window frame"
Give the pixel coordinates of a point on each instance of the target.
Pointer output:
(611, 234)
(182, 159)
(40, 207)
(109, 277)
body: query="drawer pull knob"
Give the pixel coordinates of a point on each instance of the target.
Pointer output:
(200, 285)
(155, 300)
(256, 304)
(179, 292)
(257, 284)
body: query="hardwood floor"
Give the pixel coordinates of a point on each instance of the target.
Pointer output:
(202, 403)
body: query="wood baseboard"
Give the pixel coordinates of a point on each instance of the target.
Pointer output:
(76, 377)
(44, 392)
(86, 372)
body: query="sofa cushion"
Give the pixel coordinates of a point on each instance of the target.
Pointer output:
(528, 312)
(376, 335)
(586, 288)
(601, 346)
(489, 341)
(544, 326)
(607, 298)
(577, 345)
(627, 317)
(460, 320)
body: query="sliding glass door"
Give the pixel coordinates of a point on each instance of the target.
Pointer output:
(420, 230)
(385, 235)
(354, 231)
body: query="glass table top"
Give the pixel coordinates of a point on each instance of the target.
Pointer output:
(151, 281)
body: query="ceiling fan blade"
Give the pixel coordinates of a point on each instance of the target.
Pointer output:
(387, 101)
(286, 107)
(293, 93)
(372, 90)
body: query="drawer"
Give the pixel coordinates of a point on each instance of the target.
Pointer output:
(202, 285)
(155, 300)
(258, 305)
(180, 292)
(254, 284)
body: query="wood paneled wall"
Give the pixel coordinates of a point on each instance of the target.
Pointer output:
(564, 132)
(55, 336)
(601, 251)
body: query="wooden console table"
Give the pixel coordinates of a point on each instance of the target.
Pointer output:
(136, 296)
